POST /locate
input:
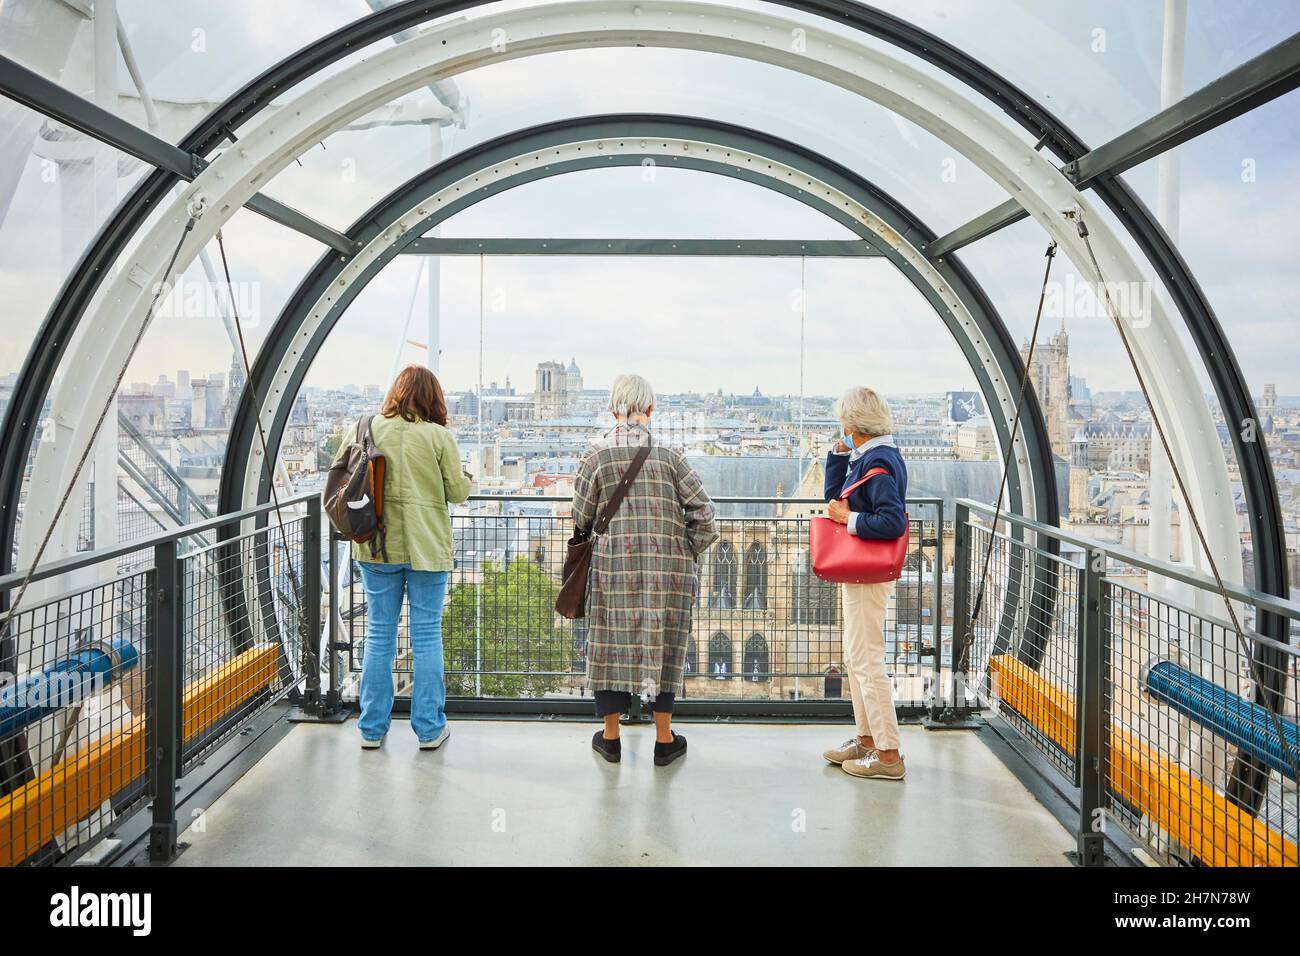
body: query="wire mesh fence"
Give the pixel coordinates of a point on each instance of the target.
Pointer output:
(1023, 638)
(243, 607)
(1174, 727)
(117, 684)
(1202, 758)
(764, 627)
(73, 710)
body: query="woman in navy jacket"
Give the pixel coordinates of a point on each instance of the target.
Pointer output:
(875, 509)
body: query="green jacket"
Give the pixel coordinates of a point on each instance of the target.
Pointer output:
(422, 475)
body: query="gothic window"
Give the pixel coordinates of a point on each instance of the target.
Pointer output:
(692, 657)
(720, 656)
(758, 667)
(815, 600)
(755, 577)
(723, 592)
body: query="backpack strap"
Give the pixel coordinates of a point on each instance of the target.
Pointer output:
(376, 464)
(871, 473)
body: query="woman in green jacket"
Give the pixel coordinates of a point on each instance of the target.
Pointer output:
(423, 474)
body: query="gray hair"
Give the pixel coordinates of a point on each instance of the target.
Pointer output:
(865, 411)
(631, 395)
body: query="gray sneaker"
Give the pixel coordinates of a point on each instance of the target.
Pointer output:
(849, 750)
(437, 741)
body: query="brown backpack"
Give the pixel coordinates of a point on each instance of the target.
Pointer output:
(353, 498)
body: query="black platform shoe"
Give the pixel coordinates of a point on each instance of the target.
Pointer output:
(667, 753)
(611, 750)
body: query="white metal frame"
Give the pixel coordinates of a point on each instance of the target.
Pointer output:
(879, 75)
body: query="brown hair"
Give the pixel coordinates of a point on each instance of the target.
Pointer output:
(416, 395)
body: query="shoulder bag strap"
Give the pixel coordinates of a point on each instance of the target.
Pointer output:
(625, 483)
(871, 473)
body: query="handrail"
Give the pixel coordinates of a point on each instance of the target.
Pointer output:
(88, 558)
(727, 500)
(1258, 599)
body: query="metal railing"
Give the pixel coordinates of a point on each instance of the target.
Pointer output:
(1142, 697)
(119, 684)
(764, 629)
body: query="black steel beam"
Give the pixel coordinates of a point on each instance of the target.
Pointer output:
(830, 248)
(52, 100)
(1273, 73)
(277, 211)
(990, 222)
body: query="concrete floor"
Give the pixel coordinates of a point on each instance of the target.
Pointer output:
(531, 792)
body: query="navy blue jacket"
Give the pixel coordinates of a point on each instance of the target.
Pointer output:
(879, 503)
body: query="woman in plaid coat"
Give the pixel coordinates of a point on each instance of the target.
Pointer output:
(643, 570)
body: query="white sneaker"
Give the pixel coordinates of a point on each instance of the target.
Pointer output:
(437, 741)
(367, 744)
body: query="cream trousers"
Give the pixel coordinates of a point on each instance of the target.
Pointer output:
(864, 661)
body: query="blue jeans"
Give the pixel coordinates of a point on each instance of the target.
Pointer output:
(385, 584)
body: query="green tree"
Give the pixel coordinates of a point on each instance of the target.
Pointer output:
(332, 443)
(519, 632)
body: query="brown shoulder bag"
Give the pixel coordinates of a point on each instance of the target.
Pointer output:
(571, 602)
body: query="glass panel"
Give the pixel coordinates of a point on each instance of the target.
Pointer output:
(56, 189)
(1238, 226)
(352, 169)
(187, 377)
(190, 54)
(1222, 36)
(737, 318)
(1095, 65)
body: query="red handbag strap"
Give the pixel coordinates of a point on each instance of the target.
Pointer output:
(871, 473)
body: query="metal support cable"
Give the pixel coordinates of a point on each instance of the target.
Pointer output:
(1243, 644)
(99, 424)
(267, 465)
(1006, 463)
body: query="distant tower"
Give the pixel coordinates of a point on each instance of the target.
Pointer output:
(1268, 407)
(573, 378)
(1078, 491)
(1050, 376)
(551, 392)
(236, 387)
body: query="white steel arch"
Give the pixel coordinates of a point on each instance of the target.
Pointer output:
(103, 344)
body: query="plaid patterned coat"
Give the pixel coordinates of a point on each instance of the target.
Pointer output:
(643, 570)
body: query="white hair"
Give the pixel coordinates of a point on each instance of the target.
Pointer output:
(631, 395)
(865, 411)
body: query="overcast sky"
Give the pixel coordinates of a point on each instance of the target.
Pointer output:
(704, 324)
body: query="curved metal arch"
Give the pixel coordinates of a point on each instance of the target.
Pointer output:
(233, 177)
(683, 142)
(38, 371)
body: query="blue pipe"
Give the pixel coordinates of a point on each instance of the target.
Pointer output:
(1247, 725)
(72, 680)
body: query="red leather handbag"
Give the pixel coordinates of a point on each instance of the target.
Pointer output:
(844, 558)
